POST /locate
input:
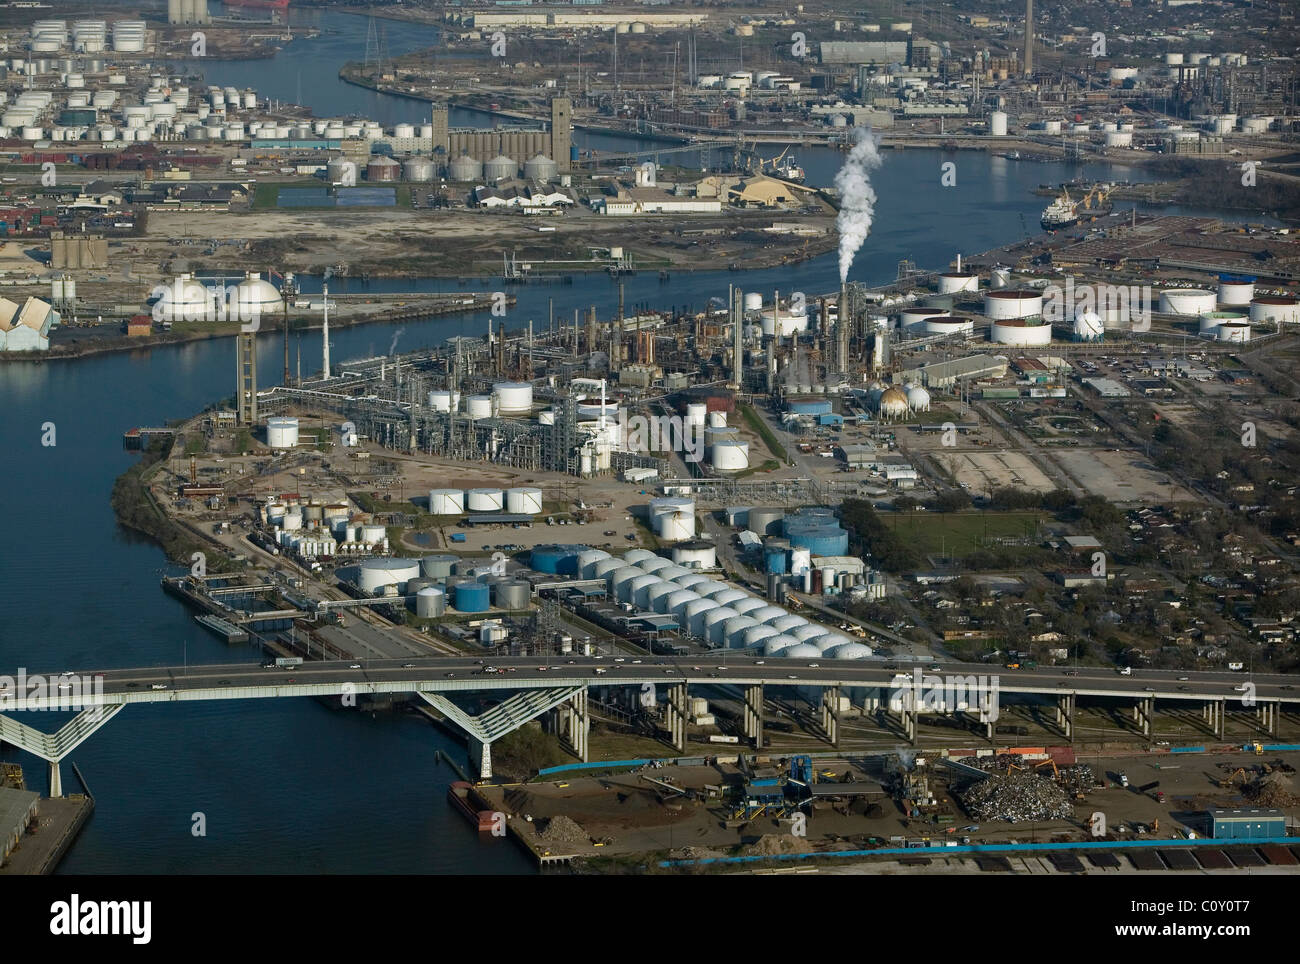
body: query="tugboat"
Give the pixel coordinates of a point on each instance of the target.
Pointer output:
(1065, 212)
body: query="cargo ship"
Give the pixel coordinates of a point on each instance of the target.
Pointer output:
(1065, 211)
(463, 797)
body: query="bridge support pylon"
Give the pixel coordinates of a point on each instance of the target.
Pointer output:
(675, 716)
(575, 724)
(1065, 715)
(53, 748)
(830, 714)
(754, 715)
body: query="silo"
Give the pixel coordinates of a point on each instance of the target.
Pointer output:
(499, 168)
(465, 168)
(417, 170)
(382, 170)
(540, 168)
(513, 594)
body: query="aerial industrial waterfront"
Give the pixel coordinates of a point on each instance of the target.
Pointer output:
(650, 439)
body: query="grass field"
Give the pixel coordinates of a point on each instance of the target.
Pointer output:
(959, 533)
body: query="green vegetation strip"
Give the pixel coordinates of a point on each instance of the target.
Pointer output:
(759, 425)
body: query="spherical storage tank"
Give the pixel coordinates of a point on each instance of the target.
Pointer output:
(485, 500)
(465, 168)
(417, 170)
(1088, 326)
(893, 402)
(446, 501)
(953, 281)
(500, 167)
(730, 456)
(1021, 332)
(375, 574)
(257, 297)
(471, 597)
(430, 602)
(513, 398)
(1012, 303)
(918, 399)
(524, 500)
(1282, 308)
(282, 432)
(1187, 301)
(539, 167)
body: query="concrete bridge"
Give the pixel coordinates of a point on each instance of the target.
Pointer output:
(532, 686)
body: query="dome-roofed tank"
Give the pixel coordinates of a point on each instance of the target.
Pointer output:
(258, 298)
(786, 623)
(633, 556)
(499, 168)
(849, 651)
(800, 651)
(587, 561)
(417, 170)
(747, 605)
(465, 168)
(778, 645)
(893, 402)
(806, 631)
(539, 167)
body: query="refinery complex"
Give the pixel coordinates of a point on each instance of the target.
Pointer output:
(863, 440)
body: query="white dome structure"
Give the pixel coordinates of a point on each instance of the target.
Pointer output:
(634, 590)
(807, 631)
(800, 651)
(1088, 326)
(656, 592)
(713, 622)
(786, 622)
(918, 399)
(185, 299)
(634, 556)
(850, 651)
(778, 645)
(756, 634)
(692, 615)
(587, 561)
(258, 298)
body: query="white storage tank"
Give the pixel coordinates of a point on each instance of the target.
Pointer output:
(1119, 138)
(1236, 291)
(485, 500)
(914, 316)
(1280, 308)
(430, 602)
(480, 406)
(753, 301)
(998, 124)
(730, 456)
(701, 555)
(1088, 326)
(1013, 303)
(717, 419)
(587, 561)
(282, 432)
(1234, 332)
(513, 398)
(524, 500)
(942, 325)
(673, 519)
(1187, 301)
(696, 413)
(440, 400)
(375, 574)
(951, 282)
(1021, 332)
(446, 501)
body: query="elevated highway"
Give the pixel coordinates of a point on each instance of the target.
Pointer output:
(531, 686)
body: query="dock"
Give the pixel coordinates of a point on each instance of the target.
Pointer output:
(42, 847)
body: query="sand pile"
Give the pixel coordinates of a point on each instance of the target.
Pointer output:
(563, 830)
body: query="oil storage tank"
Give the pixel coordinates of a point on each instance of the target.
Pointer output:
(430, 602)
(673, 519)
(1012, 303)
(439, 565)
(1021, 332)
(765, 521)
(951, 282)
(485, 500)
(557, 559)
(1275, 308)
(446, 502)
(1187, 301)
(471, 597)
(513, 398)
(282, 432)
(524, 500)
(512, 594)
(375, 574)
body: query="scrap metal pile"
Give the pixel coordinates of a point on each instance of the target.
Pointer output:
(1076, 779)
(1016, 798)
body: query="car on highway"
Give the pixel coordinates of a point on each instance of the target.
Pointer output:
(355, 666)
(760, 662)
(792, 676)
(1182, 679)
(1149, 689)
(814, 665)
(157, 686)
(408, 666)
(449, 675)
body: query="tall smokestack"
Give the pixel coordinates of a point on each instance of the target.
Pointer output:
(591, 330)
(617, 360)
(737, 337)
(1029, 37)
(842, 331)
(325, 333)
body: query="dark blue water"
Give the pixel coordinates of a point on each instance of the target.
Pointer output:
(288, 785)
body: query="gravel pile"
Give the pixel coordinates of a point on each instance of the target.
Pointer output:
(1017, 798)
(563, 830)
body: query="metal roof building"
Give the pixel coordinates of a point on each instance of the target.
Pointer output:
(1246, 824)
(947, 373)
(17, 809)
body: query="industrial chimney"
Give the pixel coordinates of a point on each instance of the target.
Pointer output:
(1029, 38)
(737, 337)
(842, 328)
(325, 334)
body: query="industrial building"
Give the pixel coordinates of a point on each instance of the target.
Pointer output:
(26, 327)
(1246, 824)
(19, 810)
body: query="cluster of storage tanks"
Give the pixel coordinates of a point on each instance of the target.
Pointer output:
(316, 529)
(87, 36)
(1227, 315)
(727, 453)
(520, 500)
(507, 399)
(710, 609)
(897, 401)
(437, 583)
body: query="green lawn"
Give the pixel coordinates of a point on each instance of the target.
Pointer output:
(758, 425)
(959, 533)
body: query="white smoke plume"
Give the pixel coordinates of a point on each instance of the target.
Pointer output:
(396, 335)
(857, 199)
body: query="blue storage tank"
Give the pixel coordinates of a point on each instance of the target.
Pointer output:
(471, 597)
(573, 153)
(774, 557)
(556, 559)
(811, 407)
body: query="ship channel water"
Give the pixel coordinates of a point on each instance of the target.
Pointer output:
(289, 785)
